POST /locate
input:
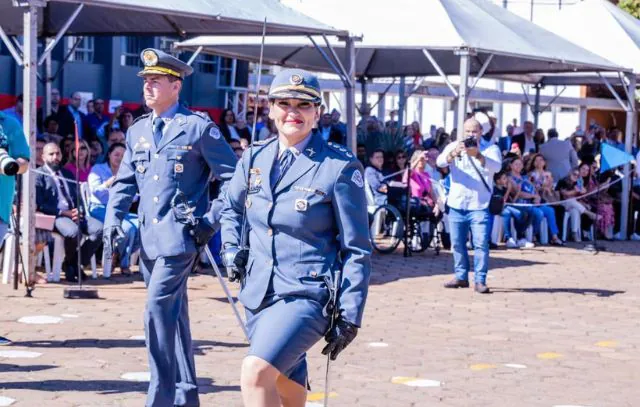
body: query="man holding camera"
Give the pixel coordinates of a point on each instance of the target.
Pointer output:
(471, 170)
(14, 160)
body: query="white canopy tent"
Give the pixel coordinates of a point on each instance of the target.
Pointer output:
(462, 37)
(56, 18)
(616, 37)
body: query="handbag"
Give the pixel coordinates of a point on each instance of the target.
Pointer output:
(496, 202)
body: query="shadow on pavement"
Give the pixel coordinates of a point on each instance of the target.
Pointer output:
(392, 267)
(206, 386)
(5, 367)
(597, 292)
(114, 343)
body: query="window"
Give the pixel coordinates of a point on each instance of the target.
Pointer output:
(131, 50)
(84, 50)
(569, 109)
(208, 63)
(226, 74)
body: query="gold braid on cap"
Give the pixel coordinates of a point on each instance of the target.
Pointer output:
(300, 88)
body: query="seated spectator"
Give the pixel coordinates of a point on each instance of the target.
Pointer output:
(66, 145)
(431, 168)
(374, 177)
(570, 190)
(82, 165)
(506, 188)
(97, 152)
(57, 195)
(361, 154)
(100, 180)
(268, 131)
(239, 151)
(524, 193)
(542, 181)
(243, 131)
(422, 190)
(227, 125)
(410, 139)
(400, 163)
(40, 143)
(51, 134)
(600, 203)
(116, 136)
(335, 121)
(244, 143)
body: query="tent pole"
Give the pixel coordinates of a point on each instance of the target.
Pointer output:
(60, 34)
(402, 102)
(628, 144)
(67, 57)
(30, 21)
(352, 138)
(195, 55)
(12, 50)
(47, 83)
(536, 106)
(435, 65)
(343, 76)
(364, 111)
(462, 90)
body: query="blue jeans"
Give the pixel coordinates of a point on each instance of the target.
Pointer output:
(130, 228)
(461, 222)
(520, 221)
(550, 214)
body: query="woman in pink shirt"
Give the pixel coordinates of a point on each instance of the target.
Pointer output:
(421, 189)
(85, 162)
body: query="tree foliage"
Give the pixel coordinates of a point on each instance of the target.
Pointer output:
(630, 6)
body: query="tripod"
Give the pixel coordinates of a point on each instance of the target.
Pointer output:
(17, 235)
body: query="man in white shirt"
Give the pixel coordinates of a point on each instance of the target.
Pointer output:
(471, 175)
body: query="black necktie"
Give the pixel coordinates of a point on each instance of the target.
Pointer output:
(158, 125)
(64, 191)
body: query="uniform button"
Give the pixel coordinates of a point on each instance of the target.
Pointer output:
(156, 199)
(156, 155)
(314, 274)
(155, 220)
(156, 177)
(270, 232)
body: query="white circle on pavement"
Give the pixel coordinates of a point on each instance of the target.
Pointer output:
(516, 366)
(17, 354)
(69, 316)
(6, 401)
(423, 383)
(137, 376)
(314, 405)
(40, 319)
(378, 344)
(138, 337)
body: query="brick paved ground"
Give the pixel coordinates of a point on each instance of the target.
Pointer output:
(567, 323)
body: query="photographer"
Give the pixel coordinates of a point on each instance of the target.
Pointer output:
(471, 171)
(14, 159)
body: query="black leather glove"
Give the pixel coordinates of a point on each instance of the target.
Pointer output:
(235, 261)
(339, 337)
(202, 233)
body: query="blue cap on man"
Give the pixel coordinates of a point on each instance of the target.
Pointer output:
(295, 84)
(157, 62)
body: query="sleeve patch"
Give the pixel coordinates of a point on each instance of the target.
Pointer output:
(215, 133)
(357, 179)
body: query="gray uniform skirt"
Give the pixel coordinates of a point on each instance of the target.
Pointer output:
(282, 330)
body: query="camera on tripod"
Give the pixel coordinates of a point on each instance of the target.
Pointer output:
(8, 166)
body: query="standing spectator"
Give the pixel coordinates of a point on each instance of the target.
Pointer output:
(525, 140)
(417, 132)
(335, 121)
(471, 177)
(361, 153)
(90, 107)
(374, 177)
(559, 155)
(411, 141)
(70, 117)
(56, 194)
(600, 203)
(538, 138)
(570, 191)
(82, 165)
(16, 110)
(431, 168)
(55, 107)
(328, 131)
(98, 117)
(101, 178)
(12, 140)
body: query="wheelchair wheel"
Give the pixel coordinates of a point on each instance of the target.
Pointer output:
(418, 239)
(387, 229)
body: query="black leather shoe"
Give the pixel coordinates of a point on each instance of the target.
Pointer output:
(482, 289)
(455, 283)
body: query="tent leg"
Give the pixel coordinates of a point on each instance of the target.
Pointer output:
(12, 50)
(352, 138)
(402, 103)
(628, 144)
(30, 84)
(536, 106)
(60, 34)
(364, 109)
(462, 91)
(47, 83)
(195, 55)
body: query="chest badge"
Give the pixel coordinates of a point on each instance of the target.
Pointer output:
(178, 168)
(301, 205)
(140, 168)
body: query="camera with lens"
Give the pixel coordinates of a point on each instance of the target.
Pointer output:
(8, 166)
(470, 142)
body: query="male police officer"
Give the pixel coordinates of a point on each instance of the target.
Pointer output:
(171, 153)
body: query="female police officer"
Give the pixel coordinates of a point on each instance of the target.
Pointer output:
(306, 219)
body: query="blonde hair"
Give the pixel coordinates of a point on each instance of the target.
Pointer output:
(415, 158)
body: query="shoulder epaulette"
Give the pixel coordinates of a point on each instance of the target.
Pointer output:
(264, 142)
(340, 149)
(137, 119)
(201, 115)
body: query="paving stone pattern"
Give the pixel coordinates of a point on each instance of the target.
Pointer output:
(561, 328)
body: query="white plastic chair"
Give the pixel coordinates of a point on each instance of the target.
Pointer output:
(565, 228)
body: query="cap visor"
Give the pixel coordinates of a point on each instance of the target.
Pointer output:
(151, 71)
(293, 95)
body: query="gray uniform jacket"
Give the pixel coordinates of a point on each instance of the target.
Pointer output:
(190, 151)
(311, 224)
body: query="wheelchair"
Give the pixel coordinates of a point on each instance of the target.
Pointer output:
(388, 225)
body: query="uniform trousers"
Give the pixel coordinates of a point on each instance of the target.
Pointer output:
(166, 320)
